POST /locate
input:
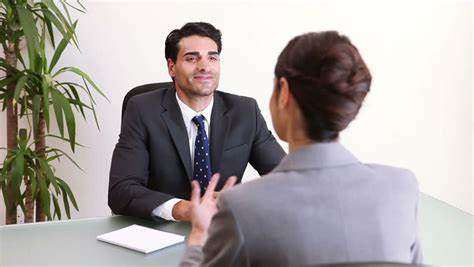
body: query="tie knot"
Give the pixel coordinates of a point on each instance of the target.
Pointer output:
(199, 120)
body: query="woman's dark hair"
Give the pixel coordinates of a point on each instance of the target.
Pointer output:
(203, 29)
(328, 79)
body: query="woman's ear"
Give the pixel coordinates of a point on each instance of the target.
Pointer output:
(285, 94)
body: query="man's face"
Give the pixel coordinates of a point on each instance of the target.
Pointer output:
(197, 68)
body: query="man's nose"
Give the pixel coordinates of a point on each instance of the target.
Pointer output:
(203, 65)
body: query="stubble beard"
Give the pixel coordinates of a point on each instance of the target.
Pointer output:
(203, 90)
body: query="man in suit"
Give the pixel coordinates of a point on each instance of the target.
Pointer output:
(320, 204)
(186, 132)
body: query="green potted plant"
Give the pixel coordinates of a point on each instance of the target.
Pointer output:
(35, 91)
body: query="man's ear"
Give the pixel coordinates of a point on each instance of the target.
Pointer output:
(285, 94)
(171, 66)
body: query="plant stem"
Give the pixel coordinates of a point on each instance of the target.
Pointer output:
(40, 144)
(12, 132)
(29, 202)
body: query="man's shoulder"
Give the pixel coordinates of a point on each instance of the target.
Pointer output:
(233, 100)
(148, 102)
(149, 98)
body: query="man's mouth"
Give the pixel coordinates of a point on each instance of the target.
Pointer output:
(203, 78)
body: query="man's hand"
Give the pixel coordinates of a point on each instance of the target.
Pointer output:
(182, 211)
(203, 209)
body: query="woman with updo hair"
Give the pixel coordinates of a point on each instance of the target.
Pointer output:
(328, 80)
(320, 204)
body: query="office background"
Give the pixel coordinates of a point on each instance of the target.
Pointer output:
(418, 114)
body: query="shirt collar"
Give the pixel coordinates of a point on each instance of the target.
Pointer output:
(189, 113)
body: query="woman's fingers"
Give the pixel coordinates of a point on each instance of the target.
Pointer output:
(196, 193)
(229, 183)
(212, 186)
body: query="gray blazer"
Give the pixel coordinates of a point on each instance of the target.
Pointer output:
(320, 205)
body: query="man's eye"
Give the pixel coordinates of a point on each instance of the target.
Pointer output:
(190, 59)
(214, 58)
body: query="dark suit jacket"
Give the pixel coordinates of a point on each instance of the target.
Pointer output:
(151, 162)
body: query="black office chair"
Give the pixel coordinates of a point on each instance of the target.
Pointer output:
(143, 89)
(369, 264)
(140, 90)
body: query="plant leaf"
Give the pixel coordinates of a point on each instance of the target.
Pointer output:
(49, 16)
(19, 86)
(84, 76)
(64, 139)
(69, 193)
(65, 200)
(17, 176)
(53, 157)
(49, 26)
(4, 192)
(95, 114)
(69, 115)
(83, 7)
(31, 32)
(52, 6)
(44, 196)
(83, 10)
(36, 112)
(43, 65)
(57, 210)
(67, 156)
(78, 104)
(66, 11)
(60, 49)
(49, 173)
(58, 111)
(8, 80)
(34, 184)
(45, 89)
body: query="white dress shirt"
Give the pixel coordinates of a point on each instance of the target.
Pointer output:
(165, 210)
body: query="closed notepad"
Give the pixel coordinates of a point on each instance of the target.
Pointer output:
(141, 238)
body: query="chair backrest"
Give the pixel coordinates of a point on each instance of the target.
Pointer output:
(369, 264)
(143, 89)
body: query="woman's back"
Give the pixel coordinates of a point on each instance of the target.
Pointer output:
(322, 205)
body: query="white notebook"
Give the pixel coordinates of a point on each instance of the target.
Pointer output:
(141, 238)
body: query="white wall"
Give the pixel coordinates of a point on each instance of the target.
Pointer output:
(417, 114)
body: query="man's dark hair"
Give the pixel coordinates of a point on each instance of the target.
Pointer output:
(203, 29)
(328, 79)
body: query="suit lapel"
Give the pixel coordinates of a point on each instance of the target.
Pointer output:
(219, 128)
(174, 120)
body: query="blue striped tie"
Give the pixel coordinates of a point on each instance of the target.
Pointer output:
(202, 156)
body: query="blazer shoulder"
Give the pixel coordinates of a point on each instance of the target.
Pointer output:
(249, 193)
(395, 175)
(148, 99)
(236, 101)
(397, 171)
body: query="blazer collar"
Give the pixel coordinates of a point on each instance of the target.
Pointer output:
(219, 129)
(169, 99)
(317, 156)
(174, 120)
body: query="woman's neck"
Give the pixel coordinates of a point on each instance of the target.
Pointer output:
(298, 138)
